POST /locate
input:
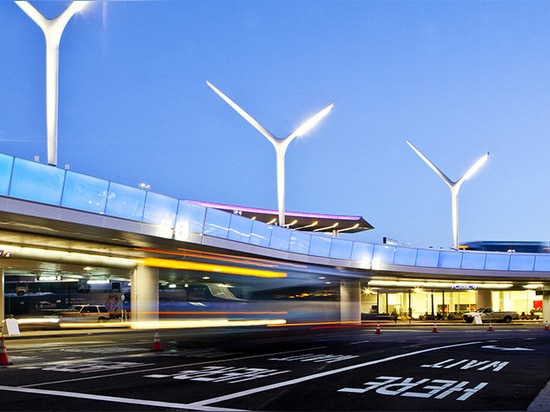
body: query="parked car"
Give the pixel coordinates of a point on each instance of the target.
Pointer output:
(85, 313)
(533, 315)
(488, 315)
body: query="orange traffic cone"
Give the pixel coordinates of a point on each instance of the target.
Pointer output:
(434, 329)
(378, 331)
(546, 326)
(490, 329)
(3, 353)
(156, 342)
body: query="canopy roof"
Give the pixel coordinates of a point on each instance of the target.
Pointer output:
(310, 222)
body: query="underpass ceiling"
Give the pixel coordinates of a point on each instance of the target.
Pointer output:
(30, 233)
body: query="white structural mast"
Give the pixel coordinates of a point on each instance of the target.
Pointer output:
(52, 29)
(454, 186)
(280, 144)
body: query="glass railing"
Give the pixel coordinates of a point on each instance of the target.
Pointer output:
(36, 182)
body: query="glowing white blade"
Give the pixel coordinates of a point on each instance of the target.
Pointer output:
(477, 165)
(243, 113)
(312, 121)
(429, 163)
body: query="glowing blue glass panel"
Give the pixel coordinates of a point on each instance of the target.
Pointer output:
(125, 202)
(6, 165)
(522, 262)
(320, 245)
(405, 256)
(542, 262)
(37, 182)
(84, 192)
(299, 242)
(384, 253)
(362, 252)
(192, 215)
(340, 249)
(280, 238)
(217, 223)
(497, 261)
(427, 257)
(450, 259)
(473, 260)
(160, 209)
(260, 234)
(240, 228)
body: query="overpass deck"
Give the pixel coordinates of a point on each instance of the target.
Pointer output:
(31, 192)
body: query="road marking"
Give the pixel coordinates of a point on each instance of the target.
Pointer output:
(227, 374)
(131, 401)
(319, 375)
(203, 405)
(437, 388)
(506, 349)
(186, 365)
(315, 357)
(465, 364)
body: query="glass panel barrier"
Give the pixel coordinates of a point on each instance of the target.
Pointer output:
(340, 248)
(450, 259)
(319, 246)
(125, 202)
(37, 182)
(280, 238)
(383, 254)
(473, 260)
(190, 219)
(522, 262)
(240, 228)
(542, 263)
(363, 252)
(427, 257)
(6, 166)
(160, 209)
(497, 261)
(217, 223)
(85, 193)
(299, 242)
(405, 256)
(261, 234)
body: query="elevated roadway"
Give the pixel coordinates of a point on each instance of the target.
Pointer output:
(56, 221)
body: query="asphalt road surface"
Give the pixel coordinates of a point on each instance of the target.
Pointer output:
(413, 368)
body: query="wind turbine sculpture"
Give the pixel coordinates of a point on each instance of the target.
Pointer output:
(280, 144)
(454, 186)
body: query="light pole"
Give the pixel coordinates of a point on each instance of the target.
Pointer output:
(52, 29)
(454, 186)
(280, 144)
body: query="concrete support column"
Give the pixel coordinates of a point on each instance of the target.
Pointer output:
(144, 295)
(546, 302)
(484, 298)
(2, 296)
(350, 301)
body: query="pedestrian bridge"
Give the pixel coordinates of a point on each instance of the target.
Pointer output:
(59, 217)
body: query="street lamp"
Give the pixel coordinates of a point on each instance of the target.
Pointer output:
(52, 29)
(280, 144)
(454, 186)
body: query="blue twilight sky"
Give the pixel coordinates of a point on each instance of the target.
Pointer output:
(456, 78)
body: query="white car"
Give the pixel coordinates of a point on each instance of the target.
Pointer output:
(85, 313)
